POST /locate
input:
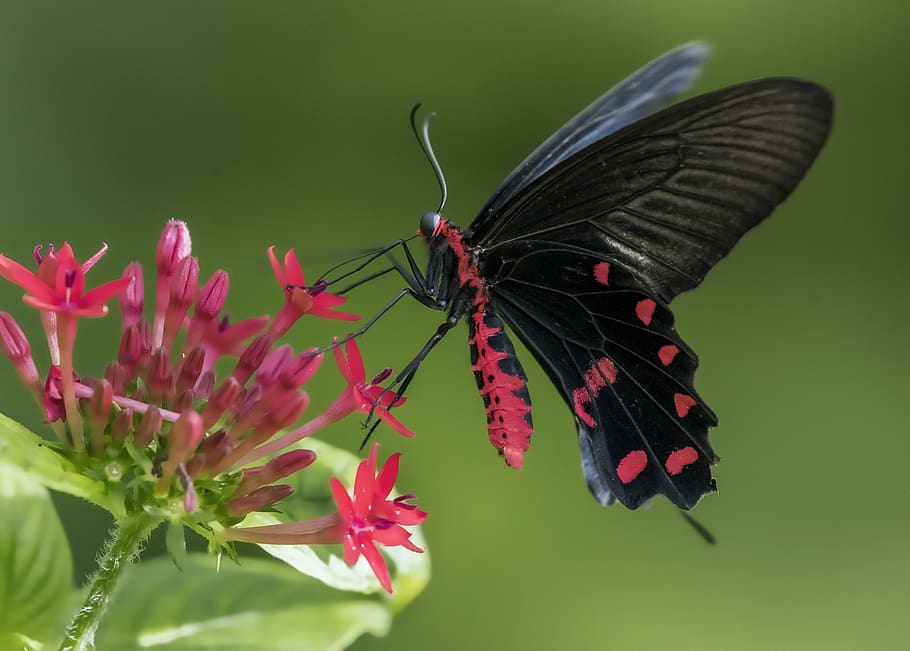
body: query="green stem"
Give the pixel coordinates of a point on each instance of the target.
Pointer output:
(121, 551)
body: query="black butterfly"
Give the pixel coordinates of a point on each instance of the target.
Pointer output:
(585, 244)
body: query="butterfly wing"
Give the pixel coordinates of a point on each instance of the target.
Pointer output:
(582, 263)
(614, 354)
(669, 195)
(640, 94)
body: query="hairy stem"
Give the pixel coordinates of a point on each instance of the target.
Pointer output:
(122, 549)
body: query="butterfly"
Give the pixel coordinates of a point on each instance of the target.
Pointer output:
(584, 245)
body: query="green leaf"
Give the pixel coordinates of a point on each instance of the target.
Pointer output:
(19, 642)
(176, 543)
(259, 605)
(28, 453)
(312, 498)
(35, 563)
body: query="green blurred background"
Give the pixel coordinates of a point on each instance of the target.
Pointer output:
(286, 123)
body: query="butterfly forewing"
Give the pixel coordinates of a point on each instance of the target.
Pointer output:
(670, 195)
(640, 94)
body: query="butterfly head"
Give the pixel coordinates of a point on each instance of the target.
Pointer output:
(428, 224)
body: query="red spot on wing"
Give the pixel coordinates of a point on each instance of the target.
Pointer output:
(600, 372)
(644, 310)
(631, 465)
(598, 375)
(602, 273)
(581, 398)
(667, 354)
(679, 459)
(683, 404)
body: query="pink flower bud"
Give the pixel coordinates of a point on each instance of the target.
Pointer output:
(223, 398)
(132, 298)
(123, 424)
(184, 284)
(212, 296)
(252, 357)
(15, 346)
(100, 405)
(173, 246)
(117, 376)
(297, 372)
(190, 369)
(184, 436)
(258, 500)
(159, 374)
(148, 428)
(135, 345)
(271, 367)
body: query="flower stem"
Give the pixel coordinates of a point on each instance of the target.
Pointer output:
(121, 551)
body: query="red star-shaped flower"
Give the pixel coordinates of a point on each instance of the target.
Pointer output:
(300, 301)
(58, 285)
(369, 517)
(363, 397)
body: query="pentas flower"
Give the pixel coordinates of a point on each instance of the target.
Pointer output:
(364, 519)
(184, 441)
(57, 289)
(359, 396)
(58, 283)
(299, 299)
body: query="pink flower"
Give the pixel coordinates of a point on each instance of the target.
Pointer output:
(58, 285)
(360, 396)
(370, 518)
(365, 518)
(300, 301)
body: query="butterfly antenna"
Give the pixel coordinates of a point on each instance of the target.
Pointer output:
(701, 529)
(423, 138)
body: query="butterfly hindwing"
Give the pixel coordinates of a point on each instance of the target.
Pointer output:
(622, 369)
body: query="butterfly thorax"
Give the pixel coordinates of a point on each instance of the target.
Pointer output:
(501, 380)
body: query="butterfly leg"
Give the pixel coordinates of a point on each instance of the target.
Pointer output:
(407, 291)
(403, 379)
(371, 256)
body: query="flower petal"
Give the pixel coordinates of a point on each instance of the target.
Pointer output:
(103, 293)
(377, 562)
(342, 499)
(365, 485)
(386, 399)
(392, 536)
(325, 313)
(386, 477)
(293, 273)
(343, 366)
(393, 422)
(351, 548)
(276, 267)
(355, 362)
(24, 278)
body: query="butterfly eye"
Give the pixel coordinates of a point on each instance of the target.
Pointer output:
(428, 223)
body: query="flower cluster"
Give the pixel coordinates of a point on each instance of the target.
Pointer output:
(167, 427)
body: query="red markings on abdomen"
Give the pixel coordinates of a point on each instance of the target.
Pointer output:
(598, 375)
(502, 384)
(631, 465)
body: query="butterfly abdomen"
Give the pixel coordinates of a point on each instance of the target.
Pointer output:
(501, 380)
(502, 384)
